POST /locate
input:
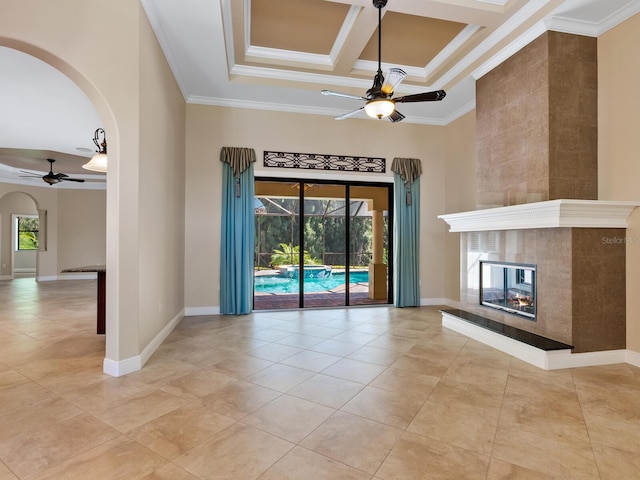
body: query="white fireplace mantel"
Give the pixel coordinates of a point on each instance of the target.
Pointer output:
(549, 214)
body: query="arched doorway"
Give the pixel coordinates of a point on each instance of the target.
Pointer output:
(21, 235)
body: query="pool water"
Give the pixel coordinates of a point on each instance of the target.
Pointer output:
(278, 284)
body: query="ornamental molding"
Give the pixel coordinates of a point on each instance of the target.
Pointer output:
(549, 214)
(316, 161)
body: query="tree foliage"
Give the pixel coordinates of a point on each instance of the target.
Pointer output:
(324, 226)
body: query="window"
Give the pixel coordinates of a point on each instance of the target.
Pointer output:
(27, 234)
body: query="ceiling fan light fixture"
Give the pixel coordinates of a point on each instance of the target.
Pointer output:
(98, 162)
(394, 77)
(379, 108)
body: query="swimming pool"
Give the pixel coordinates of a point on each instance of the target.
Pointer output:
(278, 284)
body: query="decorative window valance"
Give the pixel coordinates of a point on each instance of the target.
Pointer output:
(409, 169)
(321, 161)
(239, 160)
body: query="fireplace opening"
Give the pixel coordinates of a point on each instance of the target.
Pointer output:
(510, 287)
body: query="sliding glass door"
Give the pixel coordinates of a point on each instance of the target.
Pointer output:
(321, 244)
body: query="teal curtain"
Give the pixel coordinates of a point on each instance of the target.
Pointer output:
(406, 232)
(237, 232)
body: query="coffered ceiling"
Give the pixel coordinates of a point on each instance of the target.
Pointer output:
(279, 54)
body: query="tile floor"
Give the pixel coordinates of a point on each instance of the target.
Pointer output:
(366, 393)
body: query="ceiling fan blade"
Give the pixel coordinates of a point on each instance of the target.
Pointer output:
(347, 115)
(30, 176)
(67, 179)
(422, 97)
(339, 94)
(393, 79)
(396, 116)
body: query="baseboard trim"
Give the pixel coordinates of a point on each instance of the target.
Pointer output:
(429, 302)
(633, 358)
(44, 278)
(197, 311)
(547, 360)
(117, 368)
(77, 276)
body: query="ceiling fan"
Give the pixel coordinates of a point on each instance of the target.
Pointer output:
(52, 178)
(378, 101)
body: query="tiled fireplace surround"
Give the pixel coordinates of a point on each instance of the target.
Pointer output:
(536, 120)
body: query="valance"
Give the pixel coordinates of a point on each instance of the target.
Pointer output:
(238, 158)
(409, 169)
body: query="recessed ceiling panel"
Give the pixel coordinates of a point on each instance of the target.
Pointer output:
(298, 25)
(410, 40)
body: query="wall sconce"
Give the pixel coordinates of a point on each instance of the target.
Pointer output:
(99, 161)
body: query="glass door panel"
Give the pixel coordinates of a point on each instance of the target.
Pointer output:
(369, 244)
(277, 249)
(345, 239)
(324, 243)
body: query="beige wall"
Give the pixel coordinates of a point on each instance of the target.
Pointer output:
(619, 145)
(161, 190)
(460, 191)
(109, 50)
(210, 128)
(82, 224)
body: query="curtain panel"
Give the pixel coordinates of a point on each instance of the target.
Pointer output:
(406, 291)
(237, 232)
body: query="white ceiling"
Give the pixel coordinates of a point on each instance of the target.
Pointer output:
(44, 115)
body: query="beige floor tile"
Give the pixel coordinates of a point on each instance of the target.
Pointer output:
(23, 396)
(5, 473)
(499, 470)
(432, 366)
(615, 464)
(416, 457)
(300, 340)
(241, 365)
(379, 356)
(131, 412)
(355, 441)
(240, 451)
(561, 456)
(579, 423)
(460, 427)
(335, 347)
(274, 352)
(289, 417)
(326, 390)
(170, 472)
(612, 414)
(310, 360)
(354, 370)
(199, 384)
(177, 432)
(10, 378)
(384, 406)
(32, 453)
(302, 464)
(118, 459)
(280, 377)
(32, 419)
(405, 381)
(239, 399)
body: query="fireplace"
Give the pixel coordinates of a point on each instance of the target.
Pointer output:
(509, 287)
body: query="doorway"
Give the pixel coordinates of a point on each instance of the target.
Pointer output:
(322, 244)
